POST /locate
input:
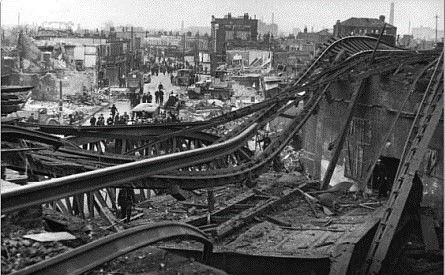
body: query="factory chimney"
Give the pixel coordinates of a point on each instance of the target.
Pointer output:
(272, 17)
(391, 14)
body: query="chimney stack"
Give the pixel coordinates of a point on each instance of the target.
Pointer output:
(382, 18)
(391, 14)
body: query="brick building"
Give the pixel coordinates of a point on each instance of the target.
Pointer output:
(228, 29)
(112, 62)
(366, 26)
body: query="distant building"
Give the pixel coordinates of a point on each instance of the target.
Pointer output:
(264, 28)
(315, 37)
(248, 57)
(366, 26)
(295, 54)
(427, 33)
(198, 29)
(224, 30)
(112, 62)
(296, 31)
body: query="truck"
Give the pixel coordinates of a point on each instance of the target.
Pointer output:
(135, 84)
(185, 77)
(135, 81)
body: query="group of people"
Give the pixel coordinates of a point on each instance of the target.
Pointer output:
(113, 119)
(159, 95)
(147, 97)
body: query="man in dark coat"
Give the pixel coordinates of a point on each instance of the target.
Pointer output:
(110, 120)
(157, 97)
(93, 121)
(144, 98)
(125, 200)
(161, 97)
(113, 110)
(101, 120)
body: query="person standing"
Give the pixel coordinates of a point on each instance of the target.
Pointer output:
(109, 120)
(113, 110)
(172, 78)
(161, 97)
(125, 200)
(157, 97)
(126, 117)
(101, 120)
(93, 121)
(149, 98)
(144, 98)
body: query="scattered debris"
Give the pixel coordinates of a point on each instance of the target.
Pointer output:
(50, 236)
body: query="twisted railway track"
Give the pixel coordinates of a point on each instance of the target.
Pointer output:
(212, 161)
(217, 161)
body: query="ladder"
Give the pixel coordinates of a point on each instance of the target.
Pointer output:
(421, 132)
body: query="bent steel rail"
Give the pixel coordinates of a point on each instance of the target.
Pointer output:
(10, 132)
(91, 255)
(50, 190)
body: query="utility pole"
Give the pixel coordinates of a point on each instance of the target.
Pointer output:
(60, 103)
(183, 49)
(436, 27)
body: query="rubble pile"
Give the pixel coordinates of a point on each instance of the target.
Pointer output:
(166, 208)
(291, 159)
(18, 252)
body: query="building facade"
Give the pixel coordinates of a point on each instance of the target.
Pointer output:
(366, 26)
(224, 30)
(112, 62)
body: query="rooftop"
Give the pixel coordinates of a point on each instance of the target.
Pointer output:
(365, 22)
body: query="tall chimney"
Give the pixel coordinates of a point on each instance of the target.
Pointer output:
(391, 14)
(272, 17)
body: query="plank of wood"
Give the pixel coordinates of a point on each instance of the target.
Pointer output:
(249, 214)
(107, 212)
(306, 198)
(277, 221)
(62, 207)
(312, 228)
(343, 133)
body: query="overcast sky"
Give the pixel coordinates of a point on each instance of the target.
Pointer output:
(168, 14)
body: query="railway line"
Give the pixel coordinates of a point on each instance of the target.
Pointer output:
(227, 168)
(187, 156)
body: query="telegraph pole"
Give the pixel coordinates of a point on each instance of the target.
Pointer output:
(183, 49)
(436, 27)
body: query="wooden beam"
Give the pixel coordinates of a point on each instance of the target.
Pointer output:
(90, 204)
(106, 213)
(287, 116)
(343, 132)
(62, 207)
